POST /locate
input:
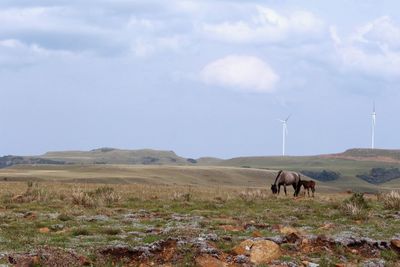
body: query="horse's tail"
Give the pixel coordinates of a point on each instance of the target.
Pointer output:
(279, 174)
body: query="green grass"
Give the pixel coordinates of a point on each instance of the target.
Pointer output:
(149, 217)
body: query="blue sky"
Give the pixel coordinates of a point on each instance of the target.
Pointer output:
(202, 78)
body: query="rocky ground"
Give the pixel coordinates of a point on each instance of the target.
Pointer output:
(252, 228)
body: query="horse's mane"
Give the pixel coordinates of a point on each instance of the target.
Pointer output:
(279, 173)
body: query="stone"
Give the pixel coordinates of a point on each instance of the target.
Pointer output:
(209, 261)
(256, 234)
(293, 237)
(374, 263)
(241, 259)
(395, 243)
(264, 251)
(286, 230)
(84, 261)
(244, 248)
(44, 230)
(57, 227)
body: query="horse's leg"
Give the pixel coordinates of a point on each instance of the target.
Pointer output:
(313, 190)
(297, 189)
(308, 191)
(284, 188)
(279, 188)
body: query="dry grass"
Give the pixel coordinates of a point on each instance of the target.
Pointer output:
(353, 210)
(82, 198)
(254, 194)
(95, 195)
(390, 200)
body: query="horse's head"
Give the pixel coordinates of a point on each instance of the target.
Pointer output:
(274, 189)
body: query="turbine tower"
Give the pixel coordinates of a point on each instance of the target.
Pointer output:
(373, 126)
(284, 134)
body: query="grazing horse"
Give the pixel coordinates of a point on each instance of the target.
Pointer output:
(307, 186)
(286, 178)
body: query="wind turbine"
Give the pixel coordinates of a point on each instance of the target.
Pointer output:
(284, 133)
(373, 127)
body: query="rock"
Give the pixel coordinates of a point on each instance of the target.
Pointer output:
(241, 259)
(209, 261)
(210, 237)
(277, 239)
(96, 218)
(346, 238)
(288, 230)
(293, 237)
(57, 227)
(374, 263)
(44, 230)
(204, 247)
(395, 243)
(256, 234)
(36, 260)
(264, 251)
(29, 215)
(244, 247)
(84, 261)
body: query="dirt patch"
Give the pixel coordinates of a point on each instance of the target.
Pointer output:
(49, 256)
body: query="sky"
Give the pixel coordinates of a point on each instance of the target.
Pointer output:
(201, 78)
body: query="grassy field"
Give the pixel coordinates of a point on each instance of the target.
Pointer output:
(186, 175)
(158, 215)
(146, 174)
(67, 224)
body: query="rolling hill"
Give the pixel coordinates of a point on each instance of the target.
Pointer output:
(355, 169)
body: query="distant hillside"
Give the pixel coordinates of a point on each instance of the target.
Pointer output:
(8, 161)
(383, 155)
(118, 156)
(352, 168)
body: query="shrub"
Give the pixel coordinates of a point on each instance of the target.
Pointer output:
(82, 198)
(390, 200)
(358, 199)
(354, 211)
(380, 175)
(356, 206)
(105, 195)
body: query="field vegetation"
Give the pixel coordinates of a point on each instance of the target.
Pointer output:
(66, 224)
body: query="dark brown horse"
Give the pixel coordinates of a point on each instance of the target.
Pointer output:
(286, 178)
(307, 186)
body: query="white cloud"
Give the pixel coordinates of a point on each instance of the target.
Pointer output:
(267, 26)
(245, 73)
(372, 49)
(16, 53)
